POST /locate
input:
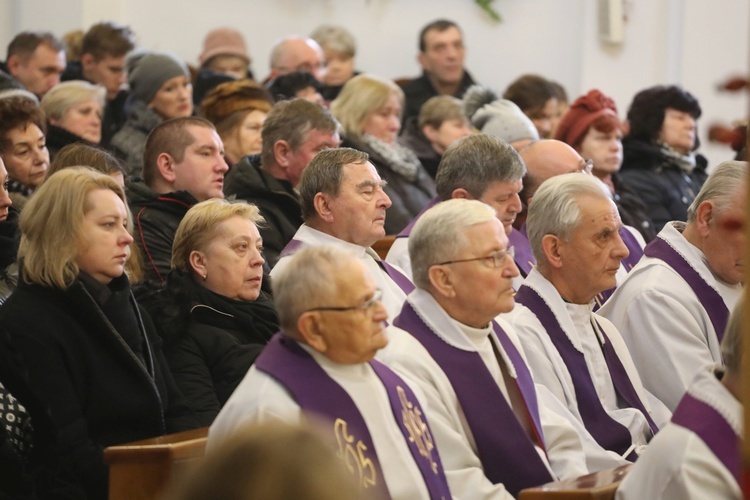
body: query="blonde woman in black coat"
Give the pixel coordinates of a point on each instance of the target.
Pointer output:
(90, 351)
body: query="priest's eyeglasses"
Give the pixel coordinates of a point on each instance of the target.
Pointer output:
(495, 259)
(587, 166)
(366, 306)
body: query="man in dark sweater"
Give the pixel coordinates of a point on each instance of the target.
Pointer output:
(183, 164)
(294, 131)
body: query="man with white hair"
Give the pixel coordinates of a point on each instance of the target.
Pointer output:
(496, 431)
(344, 205)
(697, 455)
(674, 305)
(573, 228)
(321, 365)
(477, 167)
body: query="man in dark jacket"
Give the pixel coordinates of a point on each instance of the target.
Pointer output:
(441, 55)
(103, 51)
(183, 165)
(293, 133)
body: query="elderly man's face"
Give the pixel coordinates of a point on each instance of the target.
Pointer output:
(443, 56)
(724, 240)
(354, 335)
(482, 290)
(359, 209)
(590, 260)
(503, 197)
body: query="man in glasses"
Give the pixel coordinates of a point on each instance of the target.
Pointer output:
(477, 167)
(320, 368)
(497, 433)
(673, 309)
(573, 228)
(343, 204)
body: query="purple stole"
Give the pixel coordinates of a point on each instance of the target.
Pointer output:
(405, 232)
(523, 255)
(713, 303)
(507, 453)
(609, 433)
(397, 276)
(636, 252)
(316, 392)
(708, 424)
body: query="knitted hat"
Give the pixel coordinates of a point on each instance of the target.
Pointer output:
(504, 120)
(148, 71)
(581, 114)
(229, 97)
(224, 41)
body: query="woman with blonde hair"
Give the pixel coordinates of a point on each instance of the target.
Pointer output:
(215, 314)
(89, 349)
(74, 114)
(369, 109)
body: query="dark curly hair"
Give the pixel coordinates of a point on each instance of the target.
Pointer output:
(285, 87)
(646, 113)
(18, 112)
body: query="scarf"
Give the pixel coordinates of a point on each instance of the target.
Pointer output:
(400, 159)
(685, 162)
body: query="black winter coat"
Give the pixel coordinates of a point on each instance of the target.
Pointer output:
(210, 341)
(279, 204)
(58, 138)
(662, 186)
(156, 218)
(98, 392)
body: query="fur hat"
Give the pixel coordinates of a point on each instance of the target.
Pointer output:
(148, 71)
(499, 118)
(224, 41)
(581, 114)
(229, 97)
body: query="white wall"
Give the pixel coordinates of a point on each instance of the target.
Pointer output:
(695, 43)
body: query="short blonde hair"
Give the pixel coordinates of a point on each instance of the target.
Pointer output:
(360, 97)
(200, 225)
(51, 225)
(65, 95)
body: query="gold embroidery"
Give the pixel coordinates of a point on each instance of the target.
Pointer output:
(354, 455)
(419, 434)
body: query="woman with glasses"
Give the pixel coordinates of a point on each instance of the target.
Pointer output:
(591, 126)
(215, 314)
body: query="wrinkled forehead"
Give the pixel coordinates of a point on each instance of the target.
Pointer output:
(355, 174)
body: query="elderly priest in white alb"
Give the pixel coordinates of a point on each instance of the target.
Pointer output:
(674, 305)
(321, 365)
(573, 228)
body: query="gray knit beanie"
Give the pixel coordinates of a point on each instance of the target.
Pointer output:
(147, 72)
(497, 117)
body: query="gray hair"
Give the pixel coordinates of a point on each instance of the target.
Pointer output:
(64, 96)
(474, 162)
(439, 234)
(555, 210)
(731, 345)
(335, 39)
(306, 282)
(324, 174)
(720, 187)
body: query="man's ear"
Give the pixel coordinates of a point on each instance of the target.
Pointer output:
(166, 166)
(552, 246)
(442, 281)
(13, 63)
(87, 60)
(704, 215)
(309, 328)
(281, 150)
(430, 132)
(461, 193)
(322, 204)
(422, 59)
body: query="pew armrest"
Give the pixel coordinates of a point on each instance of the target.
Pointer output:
(600, 485)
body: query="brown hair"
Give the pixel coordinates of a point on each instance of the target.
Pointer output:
(18, 112)
(25, 43)
(107, 39)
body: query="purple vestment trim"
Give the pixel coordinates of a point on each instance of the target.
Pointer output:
(316, 392)
(407, 230)
(291, 247)
(709, 425)
(506, 451)
(524, 257)
(713, 303)
(609, 433)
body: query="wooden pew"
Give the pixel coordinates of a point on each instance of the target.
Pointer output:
(141, 469)
(382, 246)
(600, 485)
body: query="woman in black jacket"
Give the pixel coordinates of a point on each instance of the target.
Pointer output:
(90, 351)
(215, 313)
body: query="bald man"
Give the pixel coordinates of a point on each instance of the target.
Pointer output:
(296, 53)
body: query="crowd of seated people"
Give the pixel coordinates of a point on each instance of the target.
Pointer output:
(184, 249)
